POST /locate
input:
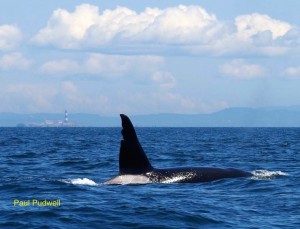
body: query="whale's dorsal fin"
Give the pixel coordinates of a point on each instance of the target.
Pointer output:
(132, 158)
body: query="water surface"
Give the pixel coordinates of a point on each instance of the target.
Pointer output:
(70, 164)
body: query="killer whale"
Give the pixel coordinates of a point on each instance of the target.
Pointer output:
(135, 167)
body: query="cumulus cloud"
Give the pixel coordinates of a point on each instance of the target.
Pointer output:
(181, 29)
(254, 24)
(239, 69)
(86, 27)
(10, 36)
(66, 29)
(14, 61)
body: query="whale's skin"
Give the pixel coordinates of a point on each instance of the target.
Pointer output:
(135, 167)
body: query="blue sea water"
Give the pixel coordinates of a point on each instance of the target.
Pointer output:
(69, 164)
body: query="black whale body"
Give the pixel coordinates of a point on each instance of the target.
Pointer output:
(134, 166)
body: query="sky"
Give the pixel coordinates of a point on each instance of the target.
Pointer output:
(146, 57)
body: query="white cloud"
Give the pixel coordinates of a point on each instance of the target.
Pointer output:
(10, 36)
(292, 72)
(57, 96)
(164, 79)
(155, 102)
(182, 29)
(60, 67)
(179, 102)
(112, 66)
(14, 61)
(239, 69)
(253, 24)
(261, 34)
(26, 98)
(105, 66)
(167, 101)
(86, 27)
(73, 97)
(35, 98)
(66, 29)
(179, 25)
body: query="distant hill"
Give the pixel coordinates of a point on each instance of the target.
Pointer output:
(232, 117)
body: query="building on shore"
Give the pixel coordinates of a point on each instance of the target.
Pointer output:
(51, 123)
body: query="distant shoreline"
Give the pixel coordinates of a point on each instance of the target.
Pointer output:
(231, 117)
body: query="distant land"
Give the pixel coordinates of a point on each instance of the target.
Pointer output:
(231, 117)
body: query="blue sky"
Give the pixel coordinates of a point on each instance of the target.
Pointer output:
(141, 57)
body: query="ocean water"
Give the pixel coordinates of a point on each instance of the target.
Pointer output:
(69, 165)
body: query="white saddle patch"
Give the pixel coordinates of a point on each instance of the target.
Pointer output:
(128, 179)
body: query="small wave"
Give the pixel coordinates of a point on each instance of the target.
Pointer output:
(266, 174)
(23, 155)
(81, 181)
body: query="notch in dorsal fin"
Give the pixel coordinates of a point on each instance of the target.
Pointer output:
(132, 158)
